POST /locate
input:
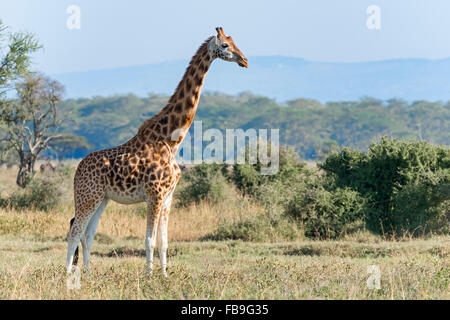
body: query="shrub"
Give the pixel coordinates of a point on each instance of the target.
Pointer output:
(203, 182)
(246, 178)
(41, 193)
(326, 214)
(420, 207)
(45, 190)
(405, 184)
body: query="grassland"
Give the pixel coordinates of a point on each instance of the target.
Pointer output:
(33, 249)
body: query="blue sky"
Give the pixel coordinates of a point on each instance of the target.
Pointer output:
(135, 32)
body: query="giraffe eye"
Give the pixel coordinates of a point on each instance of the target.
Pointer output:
(224, 45)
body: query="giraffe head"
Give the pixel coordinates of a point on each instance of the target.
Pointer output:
(225, 49)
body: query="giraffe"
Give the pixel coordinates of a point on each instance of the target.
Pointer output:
(144, 168)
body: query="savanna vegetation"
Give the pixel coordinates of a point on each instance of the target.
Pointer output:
(306, 232)
(311, 230)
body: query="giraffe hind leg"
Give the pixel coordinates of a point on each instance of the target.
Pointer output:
(88, 237)
(78, 229)
(75, 255)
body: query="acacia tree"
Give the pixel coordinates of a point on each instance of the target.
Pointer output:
(31, 121)
(15, 59)
(15, 51)
(67, 144)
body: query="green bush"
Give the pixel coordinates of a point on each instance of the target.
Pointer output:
(422, 206)
(246, 177)
(405, 185)
(41, 193)
(326, 214)
(203, 182)
(45, 190)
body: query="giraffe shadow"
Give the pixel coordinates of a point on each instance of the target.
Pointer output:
(124, 252)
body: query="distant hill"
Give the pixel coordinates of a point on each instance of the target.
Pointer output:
(280, 78)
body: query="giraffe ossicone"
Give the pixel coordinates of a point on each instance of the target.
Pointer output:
(144, 169)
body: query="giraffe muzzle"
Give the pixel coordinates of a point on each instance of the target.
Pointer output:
(243, 63)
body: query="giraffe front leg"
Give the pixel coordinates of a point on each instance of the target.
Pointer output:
(163, 242)
(162, 232)
(153, 212)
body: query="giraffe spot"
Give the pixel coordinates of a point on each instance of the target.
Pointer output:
(188, 103)
(198, 79)
(164, 130)
(178, 107)
(164, 120)
(188, 85)
(181, 94)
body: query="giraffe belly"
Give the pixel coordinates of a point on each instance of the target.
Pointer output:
(126, 197)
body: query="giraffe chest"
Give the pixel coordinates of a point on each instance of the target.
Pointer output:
(133, 184)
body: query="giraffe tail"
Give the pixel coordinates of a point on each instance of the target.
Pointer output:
(75, 255)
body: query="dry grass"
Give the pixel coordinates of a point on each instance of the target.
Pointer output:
(34, 269)
(125, 221)
(33, 249)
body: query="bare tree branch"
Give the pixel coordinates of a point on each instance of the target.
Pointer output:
(32, 120)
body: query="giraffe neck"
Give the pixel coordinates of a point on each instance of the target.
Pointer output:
(173, 121)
